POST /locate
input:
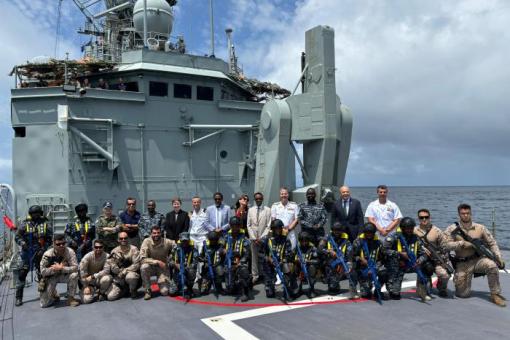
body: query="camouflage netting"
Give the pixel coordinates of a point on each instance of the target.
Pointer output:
(261, 89)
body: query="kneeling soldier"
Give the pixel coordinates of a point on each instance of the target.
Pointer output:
(94, 274)
(58, 265)
(237, 259)
(124, 264)
(279, 258)
(184, 266)
(154, 255)
(306, 263)
(213, 253)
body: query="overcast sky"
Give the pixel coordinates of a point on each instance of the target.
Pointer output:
(428, 82)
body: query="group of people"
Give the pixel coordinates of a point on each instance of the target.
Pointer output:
(227, 251)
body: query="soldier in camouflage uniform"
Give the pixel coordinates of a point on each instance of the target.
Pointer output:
(150, 219)
(58, 265)
(333, 269)
(468, 262)
(312, 217)
(81, 232)
(94, 273)
(277, 244)
(154, 255)
(187, 250)
(108, 226)
(398, 259)
(123, 264)
(34, 237)
(375, 252)
(311, 259)
(216, 255)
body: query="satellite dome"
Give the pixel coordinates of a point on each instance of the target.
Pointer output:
(160, 17)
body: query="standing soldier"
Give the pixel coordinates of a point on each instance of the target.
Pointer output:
(80, 232)
(400, 260)
(154, 255)
(312, 217)
(335, 248)
(58, 265)
(434, 243)
(94, 273)
(108, 226)
(123, 264)
(237, 261)
(150, 219)
(367, 247)
(465, 238)
(184, 262)
(306, 252)
(279, 248)
(215, 255)
(258, 227)
(34, 237)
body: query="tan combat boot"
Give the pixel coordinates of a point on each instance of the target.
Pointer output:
(497, 299)
(421, 291)
(72, 302)
(147, 295)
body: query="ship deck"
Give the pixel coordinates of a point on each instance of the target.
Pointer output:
(324, 317)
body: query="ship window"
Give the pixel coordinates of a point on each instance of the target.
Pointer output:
(132, 86)
(158, 89)
(223, 154)
(182, 91)
(205, 93)
(20, 131)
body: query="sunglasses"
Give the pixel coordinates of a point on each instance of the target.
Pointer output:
(122, 238)
(98, 247)
(131, 204)
(59, 244)
(423, 217)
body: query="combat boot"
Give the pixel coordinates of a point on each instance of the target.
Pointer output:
(244, 297)
(353, 294)
(421, 292)
(72, 302)
(133, 294)
(496, 299)
(443, 293)
(147, 295)
(19, 297)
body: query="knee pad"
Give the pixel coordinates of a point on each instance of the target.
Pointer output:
(428, 268)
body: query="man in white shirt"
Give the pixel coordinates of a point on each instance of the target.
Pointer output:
(199, 228)
(258, 222)
(383, 213)
(286, 211)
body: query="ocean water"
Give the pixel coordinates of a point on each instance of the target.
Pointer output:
(443, 201)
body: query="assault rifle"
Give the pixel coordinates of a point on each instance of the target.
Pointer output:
(480, 248)
(371, 272)
(228, 259)
(411, 262)
(278, 268)
(210, 267)
(41, 287)
(181, 268)
(302, 261)
(435, 254)
(340, 260)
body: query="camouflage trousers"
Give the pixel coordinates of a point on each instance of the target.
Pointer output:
(206, 282)
(240, 277)
(163, 277)
(190, 275)
(366, 284)
(442, 278)
(270, 277)
(47, 297)
(91, 288)
(119, 285)
(464, 274)
(334, 277)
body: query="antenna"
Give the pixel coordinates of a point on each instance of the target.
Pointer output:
(211, 16)
(57, 33)
(229, 31)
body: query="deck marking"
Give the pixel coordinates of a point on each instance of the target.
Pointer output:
(225, 327)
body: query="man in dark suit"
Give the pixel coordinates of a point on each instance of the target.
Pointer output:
(176, 221)
(348, 212)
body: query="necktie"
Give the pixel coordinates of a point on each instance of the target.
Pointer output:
(218, 218)
(345, 208)
(258, 211)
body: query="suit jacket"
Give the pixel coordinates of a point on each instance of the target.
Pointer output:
(258, 228)
(174, 227)
(354, 219)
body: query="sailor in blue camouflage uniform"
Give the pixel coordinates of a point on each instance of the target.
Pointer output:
(34, 236)
(189, 271)
(334, 270)
(398, 259)
(150, 219)
(311, 259)
(375, 253)
(216, 255)
(81, 232)
(312, 216)
(237, 260)
(282, 247)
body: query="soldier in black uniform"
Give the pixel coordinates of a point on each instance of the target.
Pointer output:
(368, 240)
(34, 237)
(278, 245)
(216, 255)
(237, 259)
(399, 261)
(81, 232)
(311, 258)
(335, 271)
(186, 250)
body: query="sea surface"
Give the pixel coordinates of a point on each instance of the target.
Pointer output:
(486, 203)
